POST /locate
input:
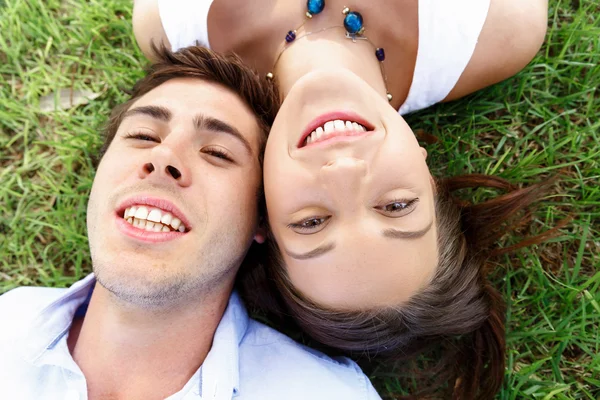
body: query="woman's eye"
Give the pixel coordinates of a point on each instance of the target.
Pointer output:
(397, 208)
(310, 225)
(141, 136)
(218, 152)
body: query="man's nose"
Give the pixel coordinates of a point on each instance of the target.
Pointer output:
(344, 177)
(164, 163)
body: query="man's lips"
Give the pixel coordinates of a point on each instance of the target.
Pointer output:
(151, 219)
(143, 235)
(154, 209)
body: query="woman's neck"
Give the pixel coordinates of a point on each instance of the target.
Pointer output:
(327, 49)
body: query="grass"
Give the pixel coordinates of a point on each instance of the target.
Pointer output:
(542, 122)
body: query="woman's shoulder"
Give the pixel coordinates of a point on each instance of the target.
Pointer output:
(513, 32)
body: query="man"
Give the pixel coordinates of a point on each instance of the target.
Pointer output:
(172, 213)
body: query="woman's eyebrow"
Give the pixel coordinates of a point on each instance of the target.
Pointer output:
(399, 234)
(313, 253)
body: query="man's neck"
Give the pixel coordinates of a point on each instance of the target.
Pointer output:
(130, 352)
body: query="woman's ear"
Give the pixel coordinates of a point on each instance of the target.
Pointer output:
(424, 152)
(261, 232)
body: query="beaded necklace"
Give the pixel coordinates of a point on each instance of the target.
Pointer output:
(353, 25)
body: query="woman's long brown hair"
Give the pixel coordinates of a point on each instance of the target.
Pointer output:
(458, 319)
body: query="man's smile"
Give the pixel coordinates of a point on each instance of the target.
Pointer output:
(151, 219)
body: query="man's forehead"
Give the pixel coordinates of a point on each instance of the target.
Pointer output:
(189, 96)
(198, 103)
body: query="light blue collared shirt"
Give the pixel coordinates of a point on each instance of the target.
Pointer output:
(247, 360)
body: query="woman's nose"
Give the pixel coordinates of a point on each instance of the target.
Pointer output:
(344, 176)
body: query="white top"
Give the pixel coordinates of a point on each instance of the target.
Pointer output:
(247, 360)
(448, 33)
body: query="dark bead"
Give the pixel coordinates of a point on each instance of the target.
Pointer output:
(290, 37)
(380, 54)
(315, 6)
(353, 22)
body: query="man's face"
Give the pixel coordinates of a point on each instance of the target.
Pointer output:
(188, 151)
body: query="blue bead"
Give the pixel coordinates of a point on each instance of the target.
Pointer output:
(353, 22)
(290, 37)
(380, 54)
(315, 6)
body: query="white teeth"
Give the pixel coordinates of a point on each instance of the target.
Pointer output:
(328, 127)
(331, 127)
(154, 215)
(141, 213)
(166, 218)
(130, 212)
(154, 219)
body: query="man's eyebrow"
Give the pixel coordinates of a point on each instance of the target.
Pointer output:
(156, 112)
(313, 253)
(207, 123)
(411, 235)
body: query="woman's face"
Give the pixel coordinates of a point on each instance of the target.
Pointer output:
(352, 211)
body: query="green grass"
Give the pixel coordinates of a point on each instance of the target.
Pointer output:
(544, 121)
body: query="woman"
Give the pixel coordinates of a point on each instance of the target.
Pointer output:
(434, 50)
(370, 252)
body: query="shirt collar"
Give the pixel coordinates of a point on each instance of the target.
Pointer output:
(220, 370)
(54, 321)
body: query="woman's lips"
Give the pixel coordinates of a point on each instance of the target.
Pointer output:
(332, 126)
(337, 137)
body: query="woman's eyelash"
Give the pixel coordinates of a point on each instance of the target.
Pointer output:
(398, 206)
(141, 136)
(302, 225)
(403, 204)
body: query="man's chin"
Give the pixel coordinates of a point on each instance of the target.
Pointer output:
(144, 287)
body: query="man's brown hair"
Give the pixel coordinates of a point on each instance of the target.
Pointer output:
(202, 63)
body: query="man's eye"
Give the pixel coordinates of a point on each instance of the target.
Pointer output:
(141, 136)
(218, 152)
(397, 208)
(309, 226)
